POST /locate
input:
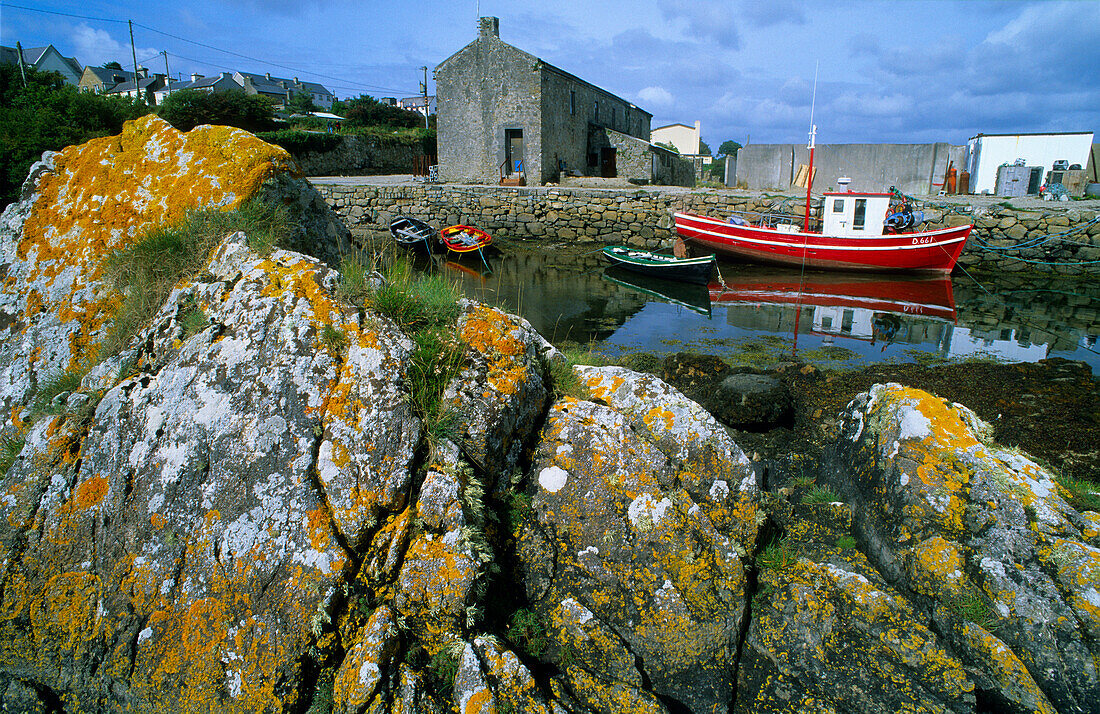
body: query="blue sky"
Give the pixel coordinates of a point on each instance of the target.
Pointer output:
(888, 71)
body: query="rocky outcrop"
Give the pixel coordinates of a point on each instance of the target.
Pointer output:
(82, 204)
(256, 510)
(978, 536)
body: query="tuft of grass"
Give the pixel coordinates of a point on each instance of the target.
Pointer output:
(10, 446)
(527, 631)
(437, 358)
(846, 542)
(355, 271)
(415, 302)
(563, 380)
(803, 481)
(820, 494)
(444, 663)
(974, 608)
(192, 319)
(147, 270)
(45, 399)
(777, 556)
(334, 340)
(517, 508)
(1082, 495)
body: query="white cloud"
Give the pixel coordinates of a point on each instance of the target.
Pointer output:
(94, 47)
(656, 96)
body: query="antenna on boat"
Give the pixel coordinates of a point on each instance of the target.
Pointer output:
(810, 146)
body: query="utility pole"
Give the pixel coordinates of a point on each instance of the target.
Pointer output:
(167, 75)
(424, 93)
(133, 53)
(23, 72)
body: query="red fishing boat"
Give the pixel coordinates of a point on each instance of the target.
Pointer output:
(852, 238)
(858, 231)
(464, 239)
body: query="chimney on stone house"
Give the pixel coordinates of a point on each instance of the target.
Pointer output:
(268, 75)
(195, 77)
(488, 26)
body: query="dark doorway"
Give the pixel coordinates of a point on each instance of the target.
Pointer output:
(513, 151)
(607, 162)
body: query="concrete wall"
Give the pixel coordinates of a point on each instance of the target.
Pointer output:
(643, 217)
(987, 153)
(912, 168)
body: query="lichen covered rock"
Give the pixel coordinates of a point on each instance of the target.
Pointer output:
(619, 541)
(85, 202)
(979, 535)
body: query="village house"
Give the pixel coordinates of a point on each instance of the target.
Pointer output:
(506, 116)
(44, 59)
(100, 79)
(280, 90)
(144, 88)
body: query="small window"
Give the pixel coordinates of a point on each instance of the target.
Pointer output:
(572, 102)
(596, 113)
(860, 217)
(838, 205)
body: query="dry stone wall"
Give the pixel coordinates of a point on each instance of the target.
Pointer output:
(1004, 238)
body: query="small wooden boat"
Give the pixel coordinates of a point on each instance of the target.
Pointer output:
(656, 265)
(464, 239)
(412, 232)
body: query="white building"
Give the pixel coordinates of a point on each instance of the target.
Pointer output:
(685, 138)
(988, 152)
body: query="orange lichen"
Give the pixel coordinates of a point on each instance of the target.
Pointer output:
(90, 493)
(103, 193)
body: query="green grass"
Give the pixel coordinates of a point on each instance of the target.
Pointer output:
(974, 608)
(10, 446)
(147, 271)
(527, 631)
(820, 494)
(414, 302)
(51, 388)
(846, 542)
(1082, 495)
(333, 340)
(776, 556)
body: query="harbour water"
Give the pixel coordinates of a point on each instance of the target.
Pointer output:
(762, 314)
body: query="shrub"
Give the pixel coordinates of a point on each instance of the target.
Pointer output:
(301, 142)
(187, 109)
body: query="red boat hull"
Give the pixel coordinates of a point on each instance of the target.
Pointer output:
(930, 251)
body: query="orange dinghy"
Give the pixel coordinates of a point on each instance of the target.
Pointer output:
(464, 239)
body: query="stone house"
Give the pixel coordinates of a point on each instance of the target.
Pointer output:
(144, 88)
(44, 59)
(506, 116)
(99, 80)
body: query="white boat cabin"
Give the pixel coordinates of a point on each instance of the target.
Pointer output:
(852, 215)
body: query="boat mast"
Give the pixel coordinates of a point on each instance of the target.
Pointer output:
(810, 146)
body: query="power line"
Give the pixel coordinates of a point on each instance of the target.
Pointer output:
(354, 84)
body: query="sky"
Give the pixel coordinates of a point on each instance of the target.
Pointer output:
(886, 71)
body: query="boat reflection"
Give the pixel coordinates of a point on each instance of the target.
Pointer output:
(693, 296)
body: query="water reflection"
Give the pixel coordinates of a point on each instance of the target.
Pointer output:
(845, 319)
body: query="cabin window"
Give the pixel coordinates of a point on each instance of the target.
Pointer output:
(838, 205)
(596, 112)
(860, 217)
(572, 102)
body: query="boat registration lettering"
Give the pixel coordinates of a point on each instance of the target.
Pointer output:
(925, 239)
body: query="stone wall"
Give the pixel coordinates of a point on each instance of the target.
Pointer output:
(361, 156)
(643, 217)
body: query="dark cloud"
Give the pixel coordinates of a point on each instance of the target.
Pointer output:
(711, 20)
(765, 13)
